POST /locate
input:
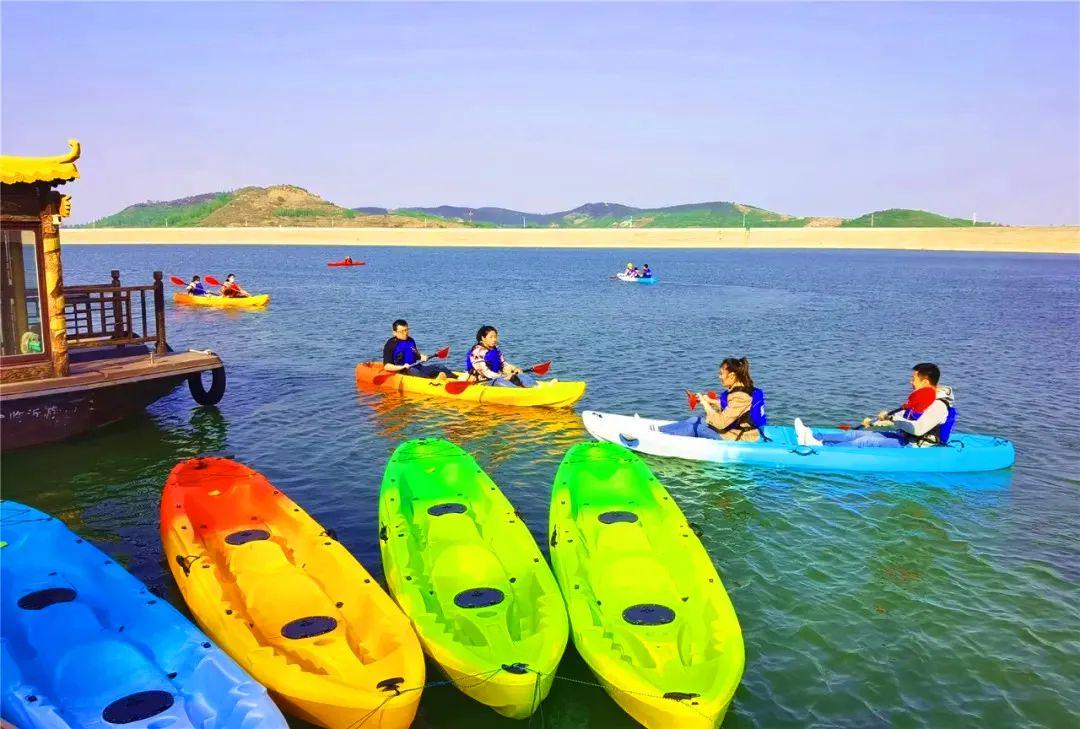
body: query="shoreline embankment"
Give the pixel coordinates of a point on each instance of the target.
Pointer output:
(1064, 239)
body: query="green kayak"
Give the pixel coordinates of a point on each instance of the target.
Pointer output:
(647, 609)
(467, 572)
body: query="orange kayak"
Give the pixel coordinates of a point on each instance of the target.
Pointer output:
(286, 600)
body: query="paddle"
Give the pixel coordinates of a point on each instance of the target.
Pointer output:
(386, 375)
(692, 400)
(177, 281)
(212, 281)
(459, 386)
(845, 426)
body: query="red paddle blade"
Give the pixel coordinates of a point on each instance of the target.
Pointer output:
(442, 353)
(212, 281)
(691, 399)
(541, 369)
(457, 387)
(177, 281)
(712, 394)
(844, 426)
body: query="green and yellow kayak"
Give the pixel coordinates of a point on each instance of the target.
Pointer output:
(647, 609)
(223, 302)
(467, 572)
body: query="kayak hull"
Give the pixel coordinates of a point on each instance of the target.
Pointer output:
(648, 611)
(223, 302)
(345, 264)
(86, 644)
(636, 279)
(546, 394)
(467, 572)
(286, 600)
(966, 452)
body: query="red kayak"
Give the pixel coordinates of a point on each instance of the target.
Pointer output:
(346, 263)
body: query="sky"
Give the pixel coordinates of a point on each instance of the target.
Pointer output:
(831, 109)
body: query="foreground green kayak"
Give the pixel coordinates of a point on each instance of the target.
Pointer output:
(467, 572)
(647, 610)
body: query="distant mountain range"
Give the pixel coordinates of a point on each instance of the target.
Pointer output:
(288, 205)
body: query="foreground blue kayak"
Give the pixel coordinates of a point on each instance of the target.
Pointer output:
(85, 644)
(965, 452)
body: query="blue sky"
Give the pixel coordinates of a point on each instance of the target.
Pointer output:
(808, 109)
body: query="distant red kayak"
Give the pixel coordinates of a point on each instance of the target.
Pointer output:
(346, 263)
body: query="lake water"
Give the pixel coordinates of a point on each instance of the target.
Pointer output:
(864, 600)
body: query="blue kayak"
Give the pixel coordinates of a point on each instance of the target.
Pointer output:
(85, 644)
(965, 453)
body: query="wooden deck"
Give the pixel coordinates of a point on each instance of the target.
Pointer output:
(114, 370)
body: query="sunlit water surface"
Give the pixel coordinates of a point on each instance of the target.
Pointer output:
(864, 600)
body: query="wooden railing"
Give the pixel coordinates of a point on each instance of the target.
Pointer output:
(111, 314)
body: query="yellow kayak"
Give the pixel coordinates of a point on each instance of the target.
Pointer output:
(224, 302)
(648, 611)
(467, 571)
(546, 394)
(286, 600)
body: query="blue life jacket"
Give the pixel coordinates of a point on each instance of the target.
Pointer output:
(198, 290)
(405, 352)
(493, 359)
(755, 417)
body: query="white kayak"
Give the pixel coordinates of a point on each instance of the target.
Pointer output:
(965, 452)
(636, 279)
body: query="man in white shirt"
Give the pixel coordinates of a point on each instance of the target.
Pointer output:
(925, 419)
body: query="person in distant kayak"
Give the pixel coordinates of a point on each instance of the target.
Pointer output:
(196, 288)
(738, 414)
(231, 288)
(925, 419)
(400, 354)
(348, 259)
(631, 270)
(646, 272)
(487, 365)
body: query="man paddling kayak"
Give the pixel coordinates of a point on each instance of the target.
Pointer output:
(231, 288)
(400, 354)
(738, 414)
(487, 365)
(925, 419)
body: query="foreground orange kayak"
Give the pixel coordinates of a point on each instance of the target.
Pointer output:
(286, 600)
(546, 394)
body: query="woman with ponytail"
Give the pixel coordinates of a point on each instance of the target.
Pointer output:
(738, 414)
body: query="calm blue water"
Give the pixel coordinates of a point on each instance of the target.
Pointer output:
(864, 601)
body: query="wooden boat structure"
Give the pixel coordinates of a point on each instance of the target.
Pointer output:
(73, 358)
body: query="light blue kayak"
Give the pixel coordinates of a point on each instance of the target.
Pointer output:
(85, 644)
(965, 453)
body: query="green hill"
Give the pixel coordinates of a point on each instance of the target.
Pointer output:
(903, 218)
(183, 213)
(291, 206)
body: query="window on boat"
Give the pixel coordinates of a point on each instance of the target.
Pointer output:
(20, 307)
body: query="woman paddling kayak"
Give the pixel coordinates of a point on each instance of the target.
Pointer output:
(487, 365)
(738, 414)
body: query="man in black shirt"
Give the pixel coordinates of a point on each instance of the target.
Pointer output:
(400, 354)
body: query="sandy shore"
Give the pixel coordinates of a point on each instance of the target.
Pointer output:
(996, 240)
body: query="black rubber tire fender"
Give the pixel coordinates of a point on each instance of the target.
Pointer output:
(217, 387)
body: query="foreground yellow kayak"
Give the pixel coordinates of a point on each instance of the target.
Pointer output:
(647, 609)
(546, 394)
(225, 302)
(281, 596)
(468, 573)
